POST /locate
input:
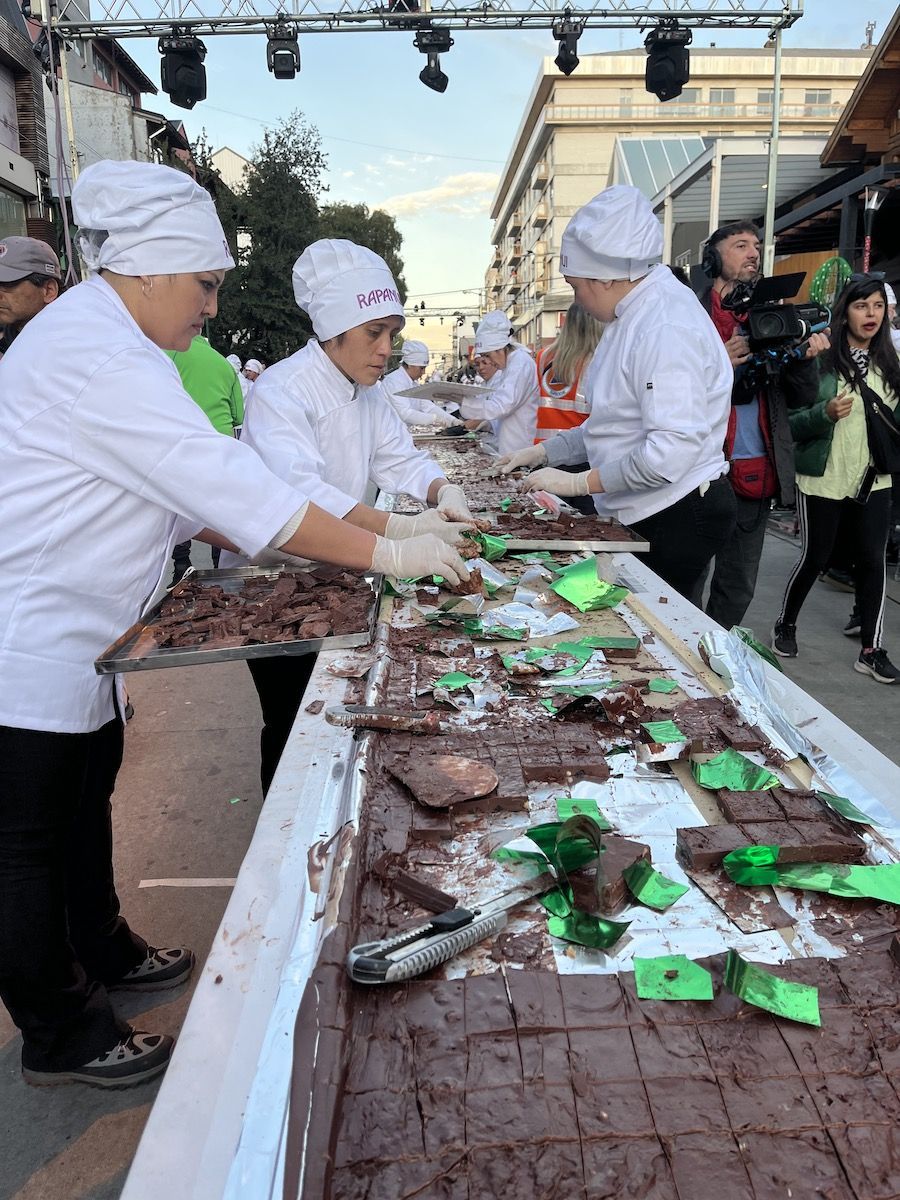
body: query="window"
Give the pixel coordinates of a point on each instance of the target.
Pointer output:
(688, 96)
(764, 97)
(103, 68)
(626, 100)
(818, 102)
(127, 90)
(721, 102)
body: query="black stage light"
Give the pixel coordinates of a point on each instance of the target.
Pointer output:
(567, 32)
(434, 43)
(668, 60)
(283, 50)
(183, 73)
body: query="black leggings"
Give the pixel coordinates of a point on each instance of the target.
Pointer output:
(867, 526)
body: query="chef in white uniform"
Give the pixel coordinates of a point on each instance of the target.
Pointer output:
(414, 410)
(105, 463)
(319, 420)
(659, 393)
(512, 405)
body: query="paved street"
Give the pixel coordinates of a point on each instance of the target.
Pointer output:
(192, 749)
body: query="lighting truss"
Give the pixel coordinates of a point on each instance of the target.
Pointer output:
(154, 18)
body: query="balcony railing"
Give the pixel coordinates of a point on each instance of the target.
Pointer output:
(673, 111)
(540, 176)
(540, 214)
(515, 252)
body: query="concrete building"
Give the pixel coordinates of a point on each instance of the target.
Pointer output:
(24, 162)
(563, 152)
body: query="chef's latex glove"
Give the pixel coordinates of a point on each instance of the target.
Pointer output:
(268, 557)
(417, 556)
(430, 521)
(452, 503)
(443, 420)
(558, 483)
(530, 456)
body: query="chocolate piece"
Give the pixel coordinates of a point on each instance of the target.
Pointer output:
(870, 1154)
(808, 842)
(895, 947)
(592, 1001)
(626, 1170)
(473, 586)
(795, 1163)
(618, 855)
(686, 1105)
(705, 846)
(838, 1046)
(767, 1104)
(712, 1161)
(748, 806)
(612, 1110)
(671, 1050)
(442, 780)
(747, 1049)
(851, 1099)
(603, 1055)
(526, 949)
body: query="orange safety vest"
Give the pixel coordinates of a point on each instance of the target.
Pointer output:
(559, 405)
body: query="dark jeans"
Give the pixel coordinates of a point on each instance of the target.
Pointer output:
(737, 563)
(867, 525)
(684, 537)
(280, 684)
(61, 935)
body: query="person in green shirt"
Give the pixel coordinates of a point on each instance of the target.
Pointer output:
(212, 383)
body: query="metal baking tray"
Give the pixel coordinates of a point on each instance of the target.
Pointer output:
(615, 543)
(117, 657)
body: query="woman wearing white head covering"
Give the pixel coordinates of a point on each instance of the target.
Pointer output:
(512, 404)
(413, 410)
(99, 454)
(659, 395)
(320, 421)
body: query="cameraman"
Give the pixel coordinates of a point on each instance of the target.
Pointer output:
(758, 442)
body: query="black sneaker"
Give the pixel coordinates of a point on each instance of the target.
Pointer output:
(784, 640)
(877, 664)
(854, 625)
(137, 1058)
(161, 969)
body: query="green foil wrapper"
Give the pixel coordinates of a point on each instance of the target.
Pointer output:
(795, 1001)
(663, 732)
(492, 547)
(495, 633)
(581, 586)
(752, 866)
(598, 642)
(663, 685)
(671, 977)
(746, 635)
(652, 888)
(846, 808)
(734, 772)
(454, 680)
(574, 806)
(506, 504)
(582, 929)
(756, 866)
(550, 707)
(542, 557)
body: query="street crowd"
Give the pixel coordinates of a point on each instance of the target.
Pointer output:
(118, 446)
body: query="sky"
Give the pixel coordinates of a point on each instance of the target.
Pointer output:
(431, 160)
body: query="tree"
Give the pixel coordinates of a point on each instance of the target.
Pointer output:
(278, 216)
(376, 229)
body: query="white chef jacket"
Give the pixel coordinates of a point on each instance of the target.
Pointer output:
(316, 430)
(512, 404)
(660, 394)
(100, 449)
(412, 410)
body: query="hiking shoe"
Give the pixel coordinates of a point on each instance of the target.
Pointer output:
(161, 969)
(877, 664)
(854, 625)
(784, 640)
(135, 1059)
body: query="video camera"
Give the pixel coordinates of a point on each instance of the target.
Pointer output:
(778, 332)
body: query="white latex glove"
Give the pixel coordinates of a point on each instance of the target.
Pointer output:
(558, 483)
(530, 456)
(431, 521)
(268, 557)
(443, 420)
(452, 503)
(412, 557)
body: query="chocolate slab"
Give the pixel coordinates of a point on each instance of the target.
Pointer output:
(748, 806)
(747, 1049)
(782, 1163)
(709, 1166)
(442, 780)
(766, 1104)
(602, 889)
(632, 1169)
(705, 846)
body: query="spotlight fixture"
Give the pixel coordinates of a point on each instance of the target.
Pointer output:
(434, 42)
(668, 60)
(283, 50)
(183, 74)
(567, 32)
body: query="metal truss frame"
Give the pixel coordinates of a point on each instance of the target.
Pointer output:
(157, 18)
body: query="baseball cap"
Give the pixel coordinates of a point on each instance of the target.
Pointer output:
(21, 256)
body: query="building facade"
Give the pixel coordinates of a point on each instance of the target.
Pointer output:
(24, 161)
(563, 150)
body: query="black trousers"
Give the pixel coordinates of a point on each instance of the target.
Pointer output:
(280, 684)
(868, 526)
(684, 537)
(61, 934)
(737, 563)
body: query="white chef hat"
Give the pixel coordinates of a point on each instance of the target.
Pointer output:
(890, 293)
(342, 285)
(493, 333)
(414, 354)
(145, 219)
(614, 236)
(253, 364)
(234, 360)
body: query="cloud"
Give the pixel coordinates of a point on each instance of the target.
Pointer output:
(466, 195)
(347, 174)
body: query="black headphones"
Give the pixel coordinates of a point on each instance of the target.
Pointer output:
(711, 262)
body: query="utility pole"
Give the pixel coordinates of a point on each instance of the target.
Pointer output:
(768, 263)
(53, 28)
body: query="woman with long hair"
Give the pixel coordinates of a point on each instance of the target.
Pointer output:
(562, 367)
(836, 475)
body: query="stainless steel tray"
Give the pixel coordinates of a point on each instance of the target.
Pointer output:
(572, 546)
(117, 657)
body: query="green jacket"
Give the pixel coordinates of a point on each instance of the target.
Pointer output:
(212, 383)
(813, 429)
